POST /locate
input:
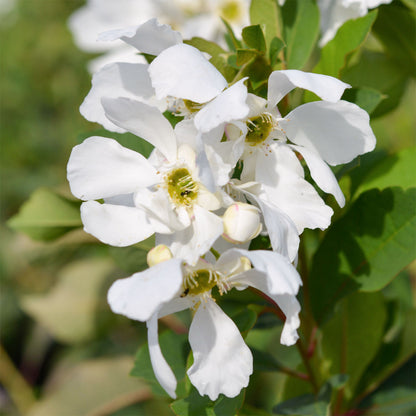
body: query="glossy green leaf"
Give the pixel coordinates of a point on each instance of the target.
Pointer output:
(264, 13)
(70, 309)
(353, 336)
(397, 169)
(46, 216)
(254, 38)
(365, 249)
(366, 98)
(300, 31)
(396, 29)
(349, 37)
(175, 349)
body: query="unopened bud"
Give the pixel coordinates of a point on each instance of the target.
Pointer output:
(158, 254)
(241, 223)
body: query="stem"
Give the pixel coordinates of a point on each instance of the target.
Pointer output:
(173, 323)
(275, 309)
(343, 367)
(309, 369)
(19, 390)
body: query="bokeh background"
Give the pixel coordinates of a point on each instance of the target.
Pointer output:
(60, 345)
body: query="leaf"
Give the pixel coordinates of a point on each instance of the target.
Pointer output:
(88, 387)
(69, 311)
(245, 55)
(46, 216)
(276, 45)
(233, 42)
(264, 13)
(365, 249)
(396, 29)
(131, 259)
(300, 31)
(395, 170)
(366, 98)
(353, 336)
(196, 405)
(396, 396)
(254, 38)
(175, 349)
(349, 37)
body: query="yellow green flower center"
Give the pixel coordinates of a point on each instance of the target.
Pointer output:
(200, 281)
(182, 189)
(259, 129)
(191, 106)
(231, 10)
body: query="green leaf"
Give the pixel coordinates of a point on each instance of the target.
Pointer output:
(395, 397)
(300, 31)
(396, 29)
(365, 249)
(375, 70)
(131, 259)
(254, 38)
(366, 98)
(175, 349)
(69, 311)
(349, 37)
(196, 405)
(352, 337)
(395, 170)
(245, 55)
(46, 216)
(264, 13)
(234, 42)
(276, 45)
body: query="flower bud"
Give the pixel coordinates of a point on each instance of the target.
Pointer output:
(158, 255)
(241, 223)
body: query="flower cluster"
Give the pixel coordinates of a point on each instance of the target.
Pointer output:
(230, 169)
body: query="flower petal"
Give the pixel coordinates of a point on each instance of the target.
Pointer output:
(143, 121)
(142, 294)
(222, 361)
(321, 173)
(324, 86)
(150, 37)
(100, 167)
(113, 81)
(291, 308)
(116, 225)
(228, 106)
(338, 132)
(194, 241)
(161, 368)
(182, 71)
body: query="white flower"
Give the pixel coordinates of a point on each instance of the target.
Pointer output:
(330, 131)
(222, 361)
(163, 195)
(334, 13)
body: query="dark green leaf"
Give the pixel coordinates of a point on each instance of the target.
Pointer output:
(365, 249)
(46, 216)
(349, 37)
(254, 38)
(396, 29)
(366, 98)
(175, 349)
(276, 46)
(300, 31)
(245, 55)
(264, 13)
(353, 336)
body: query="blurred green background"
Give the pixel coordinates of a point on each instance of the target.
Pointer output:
(56, 329)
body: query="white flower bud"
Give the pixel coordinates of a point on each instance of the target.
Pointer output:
(158, 254)
(241, 223)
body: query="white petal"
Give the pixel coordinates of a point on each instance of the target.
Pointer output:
(161, 368)
(222, 361)
(291, 308)
(116, 225)
(182, 71)
(284, 187)
(279, 272)
(113, 81)
(321, 173)
(228, 106)
(100, 167)
(151, 37)
(143, 121)
(338, 132)
(142, 294)
(194, 241)
(324, 86)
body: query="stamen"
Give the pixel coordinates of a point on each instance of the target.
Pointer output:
(259, 129)
(182, 189)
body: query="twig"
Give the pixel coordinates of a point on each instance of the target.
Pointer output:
(309, 369)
